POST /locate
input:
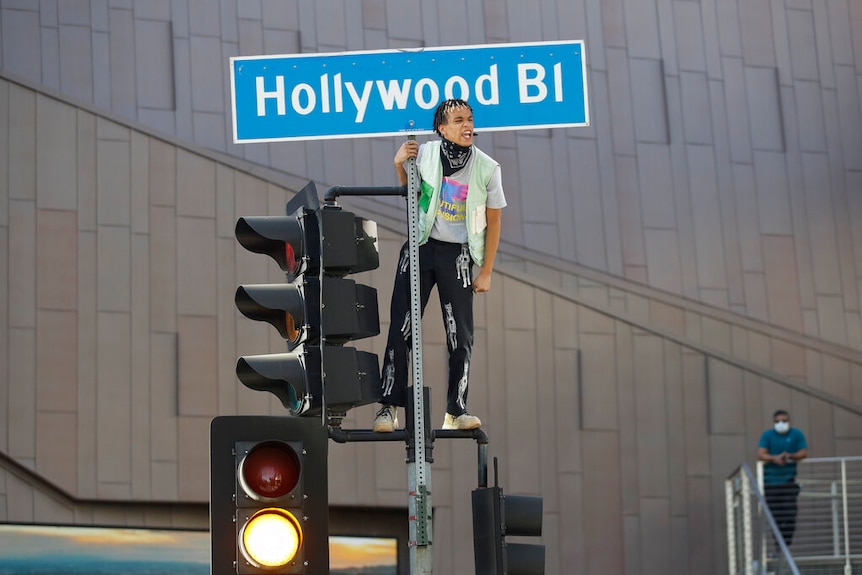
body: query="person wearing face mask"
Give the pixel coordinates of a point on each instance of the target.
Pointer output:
(460, 203)
(780, 448)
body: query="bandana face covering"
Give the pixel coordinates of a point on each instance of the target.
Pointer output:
(454, 157)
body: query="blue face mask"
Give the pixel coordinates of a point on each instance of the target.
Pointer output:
(782, 427)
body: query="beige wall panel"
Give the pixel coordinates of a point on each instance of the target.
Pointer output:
(817, 421)
(56, 135)
(163, 173)
(675, 406)
(22, 259)
(113, 406)
(163, 408)
(571, 530)
(568, 412)
(22, 144)
(141, 358)
(56, 453)
(787, 358)
(702, 558)
(139, 173)
(831, 321)
(21, 414)
(56, 252)
(696, 414)
(193, 438)
(163, 269)
(716, 334)
(197, 366)
(521, 385)
(656, 545)
(114, 251)
(782, 290)
(196, 187)
(5, 368)
(225, 201)
(196, 266)
(627, 416)
(599, 391)
(226, 317)
(726, 394)
(87, 364)
(164, 480)
(20, 500)
(113, 175)
(86, 170)
(603, 538)
(4, 151)
(651, 417)
(57, 362)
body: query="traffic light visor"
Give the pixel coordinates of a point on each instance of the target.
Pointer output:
(285, 375)
(270, 470)
(271, 538)
(289, 308)
(292, 241)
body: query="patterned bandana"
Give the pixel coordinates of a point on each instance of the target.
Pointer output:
(454, 157)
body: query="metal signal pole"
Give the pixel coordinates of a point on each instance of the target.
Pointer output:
(418, 469)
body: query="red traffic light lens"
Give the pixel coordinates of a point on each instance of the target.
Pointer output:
(290, 259)
(270, 470)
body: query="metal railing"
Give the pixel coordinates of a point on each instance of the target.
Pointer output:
(828, 535)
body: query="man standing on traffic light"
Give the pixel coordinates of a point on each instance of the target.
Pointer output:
(460, 206)
(781, 447)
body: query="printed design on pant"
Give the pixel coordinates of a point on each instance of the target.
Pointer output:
(451, 327)
(403, 262)
(462, 387)
(389, 373)
(462, 267)
(406, 332)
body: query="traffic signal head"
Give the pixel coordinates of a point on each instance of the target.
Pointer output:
(496, 516)
(317, 311)
(269, 501)
(303, 379)
(293, 241)
(268, 472)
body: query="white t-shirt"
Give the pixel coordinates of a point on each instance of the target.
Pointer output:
(450, 224)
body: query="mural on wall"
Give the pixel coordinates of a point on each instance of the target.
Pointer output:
(53, 550)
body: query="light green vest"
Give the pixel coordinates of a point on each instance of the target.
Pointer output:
(431, 171)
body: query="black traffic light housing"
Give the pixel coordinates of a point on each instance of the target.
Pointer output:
(496, 516)
(317, 310)
(274, 467)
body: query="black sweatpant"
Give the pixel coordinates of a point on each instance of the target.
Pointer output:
(449, 267)
(782, 501)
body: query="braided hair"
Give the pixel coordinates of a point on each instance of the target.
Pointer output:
(444, 108)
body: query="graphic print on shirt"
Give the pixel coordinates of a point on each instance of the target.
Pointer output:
(453, 201)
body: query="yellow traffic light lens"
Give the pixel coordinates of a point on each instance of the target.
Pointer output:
(292, 330)
(271, 538)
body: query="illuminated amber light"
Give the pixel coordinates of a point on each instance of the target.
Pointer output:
(271, 538)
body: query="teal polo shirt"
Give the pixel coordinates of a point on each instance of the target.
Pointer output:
(776, 443)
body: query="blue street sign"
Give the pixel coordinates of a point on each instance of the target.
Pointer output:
(385, 93)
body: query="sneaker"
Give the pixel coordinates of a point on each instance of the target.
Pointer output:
(386, 419)
(463, 421)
